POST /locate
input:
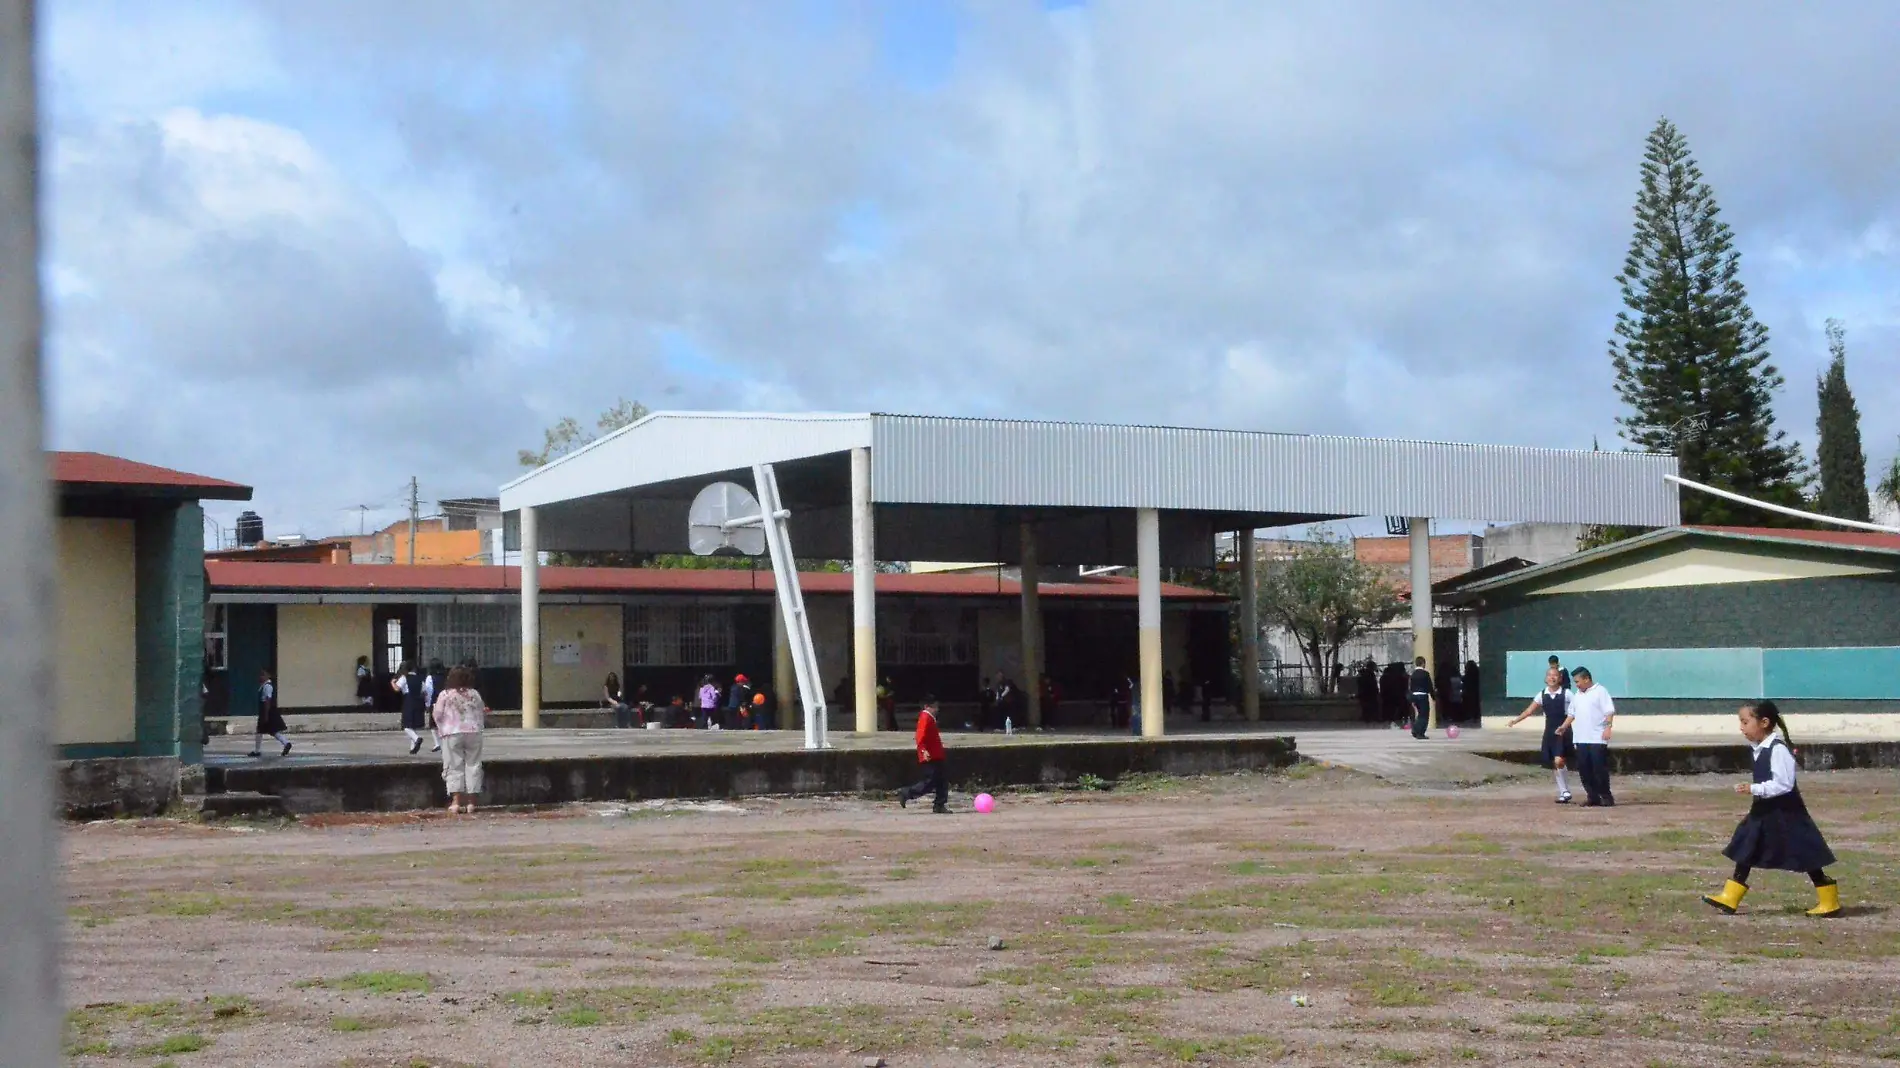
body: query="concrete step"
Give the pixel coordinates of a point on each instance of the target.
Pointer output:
(236, 803)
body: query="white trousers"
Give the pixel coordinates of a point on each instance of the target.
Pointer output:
(462, 762)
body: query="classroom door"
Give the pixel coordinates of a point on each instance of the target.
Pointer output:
(393, 630)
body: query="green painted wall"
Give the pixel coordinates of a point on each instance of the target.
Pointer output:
(169, 551)
(1807, 615)
(251, 647)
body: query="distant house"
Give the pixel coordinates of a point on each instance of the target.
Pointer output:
(130, 540)
(1684, 624)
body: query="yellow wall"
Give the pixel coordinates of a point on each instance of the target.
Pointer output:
(317, 647)
(596, 629)
(95, 677)
(1703, 567)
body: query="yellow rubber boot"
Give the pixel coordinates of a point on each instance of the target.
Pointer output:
(1829, 901)
(1729, 899)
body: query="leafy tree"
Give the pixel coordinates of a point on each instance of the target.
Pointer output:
(1692, 363)
(568, 434)
(1889, 488)
(1324, 597)
(1843, 464)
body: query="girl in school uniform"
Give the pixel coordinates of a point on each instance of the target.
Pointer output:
(365, 683)
(1560, 750)
(415, 705)
(1778, 833)
(269, 720)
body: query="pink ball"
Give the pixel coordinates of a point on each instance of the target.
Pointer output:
(1451, 731)
(985, 802)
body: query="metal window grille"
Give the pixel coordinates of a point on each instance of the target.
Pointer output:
(216, 646)
(678, 635)
(451, 633)
(927, 637)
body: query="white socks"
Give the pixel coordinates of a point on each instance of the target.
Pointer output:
(1563, 783)
(412, 734)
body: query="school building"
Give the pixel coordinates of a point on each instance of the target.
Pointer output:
(1684, 624)
(129, 595)
(665, 628)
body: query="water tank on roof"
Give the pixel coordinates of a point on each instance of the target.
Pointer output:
(250, 529)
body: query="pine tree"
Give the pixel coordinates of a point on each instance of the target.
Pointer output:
(1843, 465)
(1691, 361)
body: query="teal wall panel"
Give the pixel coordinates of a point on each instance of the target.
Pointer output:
(1852, 674)
(1856, 674)
(1693, 673)
(169, 608)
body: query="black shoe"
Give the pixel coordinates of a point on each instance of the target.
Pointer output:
(436, 748)
(903, 799)
(415, 747)
(1593, 803)
(255, 754)
(940, 810)
(286, 751)
(1609, 802)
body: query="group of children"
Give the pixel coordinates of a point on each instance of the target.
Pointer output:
(1777, 833)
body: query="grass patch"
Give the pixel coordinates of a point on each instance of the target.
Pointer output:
(172, 1045)
(377, 983)
(1394, 995)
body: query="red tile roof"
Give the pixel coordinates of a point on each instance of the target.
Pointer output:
(97, 471)
(394, 578)
(1857, 539)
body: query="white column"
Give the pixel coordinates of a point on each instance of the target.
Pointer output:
(784, 675)
(1148, 617)
(1422, 600)
(29, 954)
(863, 592)
(1032, 628)
(530, 621)
(1249, 628)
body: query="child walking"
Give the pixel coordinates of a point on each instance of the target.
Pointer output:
(1560, 749)
(930, 756)
(269, 720)
(1777, 833)
(1592, 716)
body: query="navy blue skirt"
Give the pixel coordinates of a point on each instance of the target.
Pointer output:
(1559, 745)
(1779, 834)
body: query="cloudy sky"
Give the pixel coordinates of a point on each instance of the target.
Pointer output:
(321, 247)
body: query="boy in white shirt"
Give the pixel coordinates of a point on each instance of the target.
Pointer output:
(1591, 714)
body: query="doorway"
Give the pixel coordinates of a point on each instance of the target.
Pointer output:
(394, 639)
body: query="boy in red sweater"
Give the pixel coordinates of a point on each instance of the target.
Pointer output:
(930, 755)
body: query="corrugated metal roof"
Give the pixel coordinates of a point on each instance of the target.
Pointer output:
(234, 575)
(930, 460)
(96, 471)
(1844, 541)
(1019, 463)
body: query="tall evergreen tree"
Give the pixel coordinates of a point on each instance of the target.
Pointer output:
(1691, 362)
(1843, 465)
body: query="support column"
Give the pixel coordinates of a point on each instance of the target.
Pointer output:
(1421, 529)
(530, 621)
(784, 676)
(1249, 628)
(1148, 617)
(1032, 628)
(29, 896)
(863, 593)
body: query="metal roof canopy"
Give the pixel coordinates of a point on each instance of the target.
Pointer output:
(956, 489)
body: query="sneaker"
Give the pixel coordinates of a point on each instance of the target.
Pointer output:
(286, 751)
(1564, 799)
(436, 748)
(255, 754)
(903, 799)
(415, 747)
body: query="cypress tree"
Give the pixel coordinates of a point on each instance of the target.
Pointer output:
(1692, 363)
(1843, 465)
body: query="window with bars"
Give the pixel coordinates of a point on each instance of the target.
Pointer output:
(923, 637)
(216, 645)
(451, 633)
(678, 635)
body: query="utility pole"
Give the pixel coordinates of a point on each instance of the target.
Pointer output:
(415, 509)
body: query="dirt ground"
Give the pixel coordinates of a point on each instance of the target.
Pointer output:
(1310, 918)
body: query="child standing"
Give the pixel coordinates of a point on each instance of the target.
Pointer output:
(1777, 833)
(1591, 714)
(1560, 750)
